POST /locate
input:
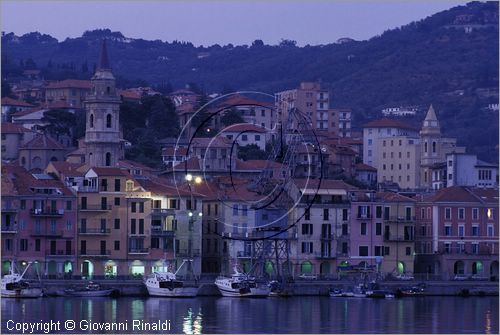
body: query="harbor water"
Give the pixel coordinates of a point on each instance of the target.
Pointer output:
(310, 314)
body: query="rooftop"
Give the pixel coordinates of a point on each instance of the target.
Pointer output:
(388, 123)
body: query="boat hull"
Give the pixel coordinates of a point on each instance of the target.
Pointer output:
(23, 293)
(255, 292)
(179, 292)
(90, 293)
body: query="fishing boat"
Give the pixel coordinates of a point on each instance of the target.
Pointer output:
(278, 289)
(384, 294)
(166, 284)
(91, 290)
(241, 285)
(413, 291)
(14, 286)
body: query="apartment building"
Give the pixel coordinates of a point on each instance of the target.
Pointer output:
(457, 233)
(71, 91)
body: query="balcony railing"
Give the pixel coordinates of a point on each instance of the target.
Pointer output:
(325, 255)
(400, 219)
(394, 238)
(162, 211)
(158, 231)
(138, 251)
(94, 231)
(186, 253)
(9, 210)
(49, 233)
(59, 253)
(9, 229)
(95, 253)
(46, 212)
(87, 189)
(364, 216)
(97, 208)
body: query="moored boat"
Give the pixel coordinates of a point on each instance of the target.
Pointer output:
(91, 290)
(14, 286)
(241, 285)
(166, 284)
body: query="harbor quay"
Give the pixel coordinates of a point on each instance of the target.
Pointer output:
(134, 287)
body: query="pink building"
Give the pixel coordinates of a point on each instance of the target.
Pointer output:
(457, 233)
(38, 222)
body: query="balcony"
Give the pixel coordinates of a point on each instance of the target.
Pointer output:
(138, 251)
(158, 231)
(50, 233)
(95, 208)
(363, 216)
(186, 253)
(162, 211)
(9, 210)
(325, 255)
(59, 253)
(9, 229)
(394, 238)
(87, 189)
(47, 212)
(94, 231)
(400, 219)
(95, 253)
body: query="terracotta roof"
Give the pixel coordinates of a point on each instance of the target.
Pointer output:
(164, 188)
(365, 167)
(13, 102)
(170, 151)
(256, 164)
(8, 187)
(68, 169)
(393, 197)
(186, 108)
(71, 83)
(466, 194)
(125, 163)
(243, 127)
(388, 123)
(130, 94)
(192, 164)
(108, 171)
(42, 141)
(12, 128)
(241, 100)
(24, 183)
(325, 184)
(214, 142)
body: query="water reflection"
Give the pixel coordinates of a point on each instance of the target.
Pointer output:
(272, 315)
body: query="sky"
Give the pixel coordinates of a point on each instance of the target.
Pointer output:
(218, 22)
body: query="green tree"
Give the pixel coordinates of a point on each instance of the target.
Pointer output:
(251, 151)
(231, 116)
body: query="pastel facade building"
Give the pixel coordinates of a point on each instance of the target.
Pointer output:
(13, 138)
(466, 170)
(457, 233)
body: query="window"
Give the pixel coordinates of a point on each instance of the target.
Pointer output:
(370, 141)
(307, 229)
(37, 244)
(104, 203)
(173, 204)
(91, 120)
(475, 248)
(117, 201)
(108, 121)
(379, 250)
(244, 137)
(378, 228)
(490, 231)
(461, 247)
(69, 225)
(104, 184)
(141, 207)
(129, 186)
(141, 226)
(363, 228)
(434, 147)
(133, 206)
(408, 251)
(108, 159)
(244, 210)
(307, 214)
(263, 112)
(117, 185)
(235, 210)
(447, 247)
(461, 213)
(447, 213)
(69, 205)
(23, 245)
(117, 245)
(325, 214)
(117, 223)
(257, 137)
(345, 215)
(387, 251)
(363, 250)
(307, 247)
(422, 231)
(447, 230)
(475, 213)
(369, 153)
(475, 230)
(383, 143)
(345, 229)
(132, 226)
(23, 204)
(461, 230)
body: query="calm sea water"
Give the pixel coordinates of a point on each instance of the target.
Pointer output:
(271, 315)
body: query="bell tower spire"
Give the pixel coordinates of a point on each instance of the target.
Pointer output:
(103, 143)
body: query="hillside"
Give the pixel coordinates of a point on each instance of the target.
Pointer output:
(449, 59)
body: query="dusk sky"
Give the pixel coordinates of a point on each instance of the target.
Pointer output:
(222, 22)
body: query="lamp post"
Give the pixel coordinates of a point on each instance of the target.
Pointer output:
(192, 182)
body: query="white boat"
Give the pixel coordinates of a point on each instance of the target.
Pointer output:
(241, 285)
(91, 290)
(166, 284)
(13, 285)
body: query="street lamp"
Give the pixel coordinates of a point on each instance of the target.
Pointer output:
(192, 181)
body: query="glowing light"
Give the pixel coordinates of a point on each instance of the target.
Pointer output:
(200, 214)
(197, 180)
(190, 214)
(189, 177)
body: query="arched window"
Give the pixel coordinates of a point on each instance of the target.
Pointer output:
(433, 147)
(108, 90)
(108, 159)
(108, 121)
(91, 121)
(425, 147)
(23, 161)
